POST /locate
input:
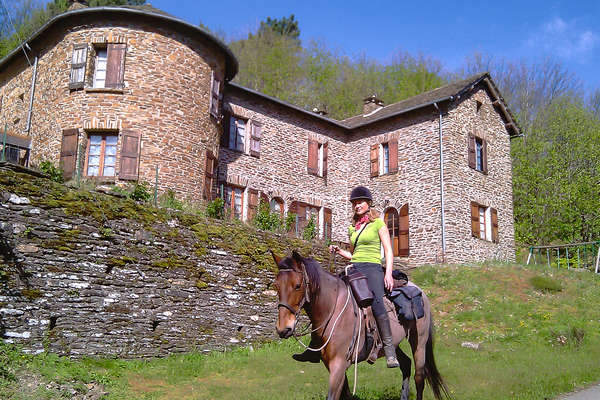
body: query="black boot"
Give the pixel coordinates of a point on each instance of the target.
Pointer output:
(308, 356)
(385, 331)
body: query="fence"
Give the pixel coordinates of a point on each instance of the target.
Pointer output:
(584, 255)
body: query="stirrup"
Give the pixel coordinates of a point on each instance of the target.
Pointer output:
(308, 356)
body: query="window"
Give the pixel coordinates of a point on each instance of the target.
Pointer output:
(317, 158)
(216, 96)
(237, 134)
(276, 205)
(110, 66)
(209, 175)
(327, 223)
(101, 155)
(15, 149)
(478, 154)
(78, 61)
(234, 200)
(484, 222)
(397, 224)
(384, 158)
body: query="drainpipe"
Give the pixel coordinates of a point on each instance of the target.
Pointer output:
(442, 183)
(31, 94)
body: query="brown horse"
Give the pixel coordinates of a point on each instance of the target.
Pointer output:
(302, 284)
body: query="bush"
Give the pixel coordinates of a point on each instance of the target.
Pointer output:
(168, 200)
(140, 192)
(55, 173)
(310, 230)
(265, 219)
(545, 284)
(290, 222)
(216, 208)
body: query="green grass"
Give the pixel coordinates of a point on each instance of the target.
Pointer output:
(534, 344)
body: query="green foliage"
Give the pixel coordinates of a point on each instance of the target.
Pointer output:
(265, 219)
(55, 173)
(290, 221)
(311, 230)
(168, 200)
(216, 208)
(141, 192)
(284, 26)
(546, 283)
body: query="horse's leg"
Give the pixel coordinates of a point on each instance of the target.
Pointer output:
(418, 339)
(337, 378)
(346, 395)
(404, 361)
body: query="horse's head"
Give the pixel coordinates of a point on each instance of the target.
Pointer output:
(293, 290)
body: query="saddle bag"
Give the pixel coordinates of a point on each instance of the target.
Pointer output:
(360, 287)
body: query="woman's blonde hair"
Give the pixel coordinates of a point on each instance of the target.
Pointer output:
(372, 213)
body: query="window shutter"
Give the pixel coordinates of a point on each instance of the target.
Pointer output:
(404, 248)
(115, 65)
(374, 160)
(293, 209)
(225, 132)
(209, 175)
(474, 219)
(130, 155)
(495, 237)
(302, 221)
(68, 152)
(472, 156)
(313, 157)
(215, 95)
(325, 151)
(252, 203)
(78, 63)
(255, 137)
(484, 156)
(393, 148)
(327, 217)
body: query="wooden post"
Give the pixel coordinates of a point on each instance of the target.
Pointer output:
(548, 256)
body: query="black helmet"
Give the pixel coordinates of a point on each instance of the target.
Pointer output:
(360, 192)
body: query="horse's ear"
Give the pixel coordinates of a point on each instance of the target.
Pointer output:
(298, 260)
(277, 259)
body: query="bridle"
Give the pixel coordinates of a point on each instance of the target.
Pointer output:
(305, 298)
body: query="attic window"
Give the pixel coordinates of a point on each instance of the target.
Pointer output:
(479, 104)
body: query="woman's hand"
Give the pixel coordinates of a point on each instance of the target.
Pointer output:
(388, 281)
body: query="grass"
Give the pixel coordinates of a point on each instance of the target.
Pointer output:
(535, 343)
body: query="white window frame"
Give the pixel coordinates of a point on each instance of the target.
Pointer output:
(485, 213)
(321, 159)
(99, 52)
(384, 158)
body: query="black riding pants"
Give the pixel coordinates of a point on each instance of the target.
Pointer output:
(375, 275)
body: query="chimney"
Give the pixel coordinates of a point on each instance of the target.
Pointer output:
(371, 104)
(77, 4)
(322, 111)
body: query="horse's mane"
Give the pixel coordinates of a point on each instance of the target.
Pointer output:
(313, 270)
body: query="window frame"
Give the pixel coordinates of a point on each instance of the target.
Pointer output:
(102, 155)
(99, 49)
(230, 196)
(233, 119)
(384, 158)
(486, 227)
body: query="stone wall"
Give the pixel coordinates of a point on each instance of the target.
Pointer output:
(78, 277)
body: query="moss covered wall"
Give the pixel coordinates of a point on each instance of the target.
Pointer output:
(84, 273)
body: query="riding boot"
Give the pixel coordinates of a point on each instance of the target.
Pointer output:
(385, 331)
(308, 356)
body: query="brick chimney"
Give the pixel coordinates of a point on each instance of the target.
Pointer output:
(77, 4)
(371, 104)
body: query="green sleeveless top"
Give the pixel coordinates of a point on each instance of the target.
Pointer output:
(368, 247)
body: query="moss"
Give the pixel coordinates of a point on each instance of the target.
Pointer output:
(172, 262)
(72, 293)
(31, 294)
(200, 284)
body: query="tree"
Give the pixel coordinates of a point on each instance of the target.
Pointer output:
(284, 26)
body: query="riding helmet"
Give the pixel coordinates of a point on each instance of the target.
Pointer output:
(361, 192)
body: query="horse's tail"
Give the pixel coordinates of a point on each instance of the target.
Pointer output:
(433, 376)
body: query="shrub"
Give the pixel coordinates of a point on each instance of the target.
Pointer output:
(55, 173)
(141, 192)
(265, 219)
(310, 230)
(168, 200)
(216, 208)
(289, 222)
(545, 284)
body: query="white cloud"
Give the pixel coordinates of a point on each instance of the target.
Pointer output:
(566, 39)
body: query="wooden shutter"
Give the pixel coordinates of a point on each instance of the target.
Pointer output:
(327, 218)
(403, 247)
(225, 133)
(293, 209)
(255, 137)
(68, 152)
(475, 219)
(215, 96)
(78, 63)
(472, 155)
(252, 203)
(209, 175)
(302, 221)
(495, 237)
(374, 160)
(393, 148)
(130, 155)
(484, 156)
(325, 151)
(313, 157)
(115, 65)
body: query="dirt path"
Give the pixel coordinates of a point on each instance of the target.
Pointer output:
(590, 393)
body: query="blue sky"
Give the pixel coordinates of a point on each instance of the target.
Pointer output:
(446, 30)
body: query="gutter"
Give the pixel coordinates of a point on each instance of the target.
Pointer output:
(31, 93)
(442, 199)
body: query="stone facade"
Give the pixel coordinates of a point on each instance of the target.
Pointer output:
(166, 99)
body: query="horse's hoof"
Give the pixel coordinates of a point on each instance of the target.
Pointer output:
(308, 356)
(392, 362)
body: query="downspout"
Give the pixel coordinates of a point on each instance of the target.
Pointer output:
(442, 184)
(31, 94)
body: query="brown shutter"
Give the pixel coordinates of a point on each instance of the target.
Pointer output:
(78, 63)
(255, 137)
(393, 148)
(484, 156)
(472, 156)
(374, 160)
(68, 152)
(252, 203)
(404, 248)
(302, 221)
(327, 218)
(313, 157)
(325, 151)
(209, 175)
(225, 132)
(115, 65)
(475, 219)
(495, 237)
(130, 155)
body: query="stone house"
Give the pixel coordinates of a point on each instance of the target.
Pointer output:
(123, 94)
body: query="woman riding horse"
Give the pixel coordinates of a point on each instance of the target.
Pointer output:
(367, 233)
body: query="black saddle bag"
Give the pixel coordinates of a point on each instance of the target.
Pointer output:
(360, 287)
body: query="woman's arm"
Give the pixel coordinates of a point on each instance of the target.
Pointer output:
(344, 253)
(384, 236)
